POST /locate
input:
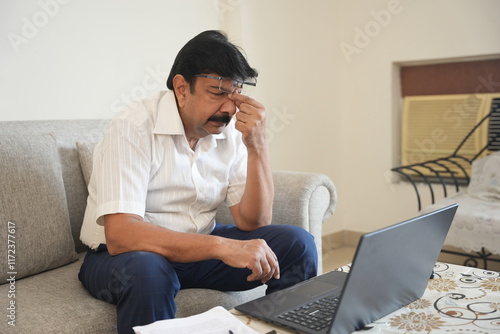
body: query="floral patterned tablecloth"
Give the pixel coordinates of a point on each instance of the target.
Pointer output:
(458, 300)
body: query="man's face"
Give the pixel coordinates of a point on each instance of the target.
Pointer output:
(206, 110)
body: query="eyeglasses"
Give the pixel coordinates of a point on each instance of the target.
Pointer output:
(228, 85)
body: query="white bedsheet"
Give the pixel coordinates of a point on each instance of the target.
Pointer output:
(476, 223)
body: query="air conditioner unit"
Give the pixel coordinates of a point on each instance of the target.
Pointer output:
(434, 126)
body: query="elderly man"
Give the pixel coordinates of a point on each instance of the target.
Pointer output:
(164, 167)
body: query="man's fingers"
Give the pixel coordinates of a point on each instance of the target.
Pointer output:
(261, 274)
(267, 268)
(256, 273)
(240, 99)
(276, 266)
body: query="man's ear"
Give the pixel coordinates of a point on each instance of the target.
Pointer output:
(181, 89)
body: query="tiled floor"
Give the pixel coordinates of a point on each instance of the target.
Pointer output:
(337, 257)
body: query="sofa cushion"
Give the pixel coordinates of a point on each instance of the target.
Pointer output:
(33, 206)
(56, 302)
(66, 134)
(85, 155)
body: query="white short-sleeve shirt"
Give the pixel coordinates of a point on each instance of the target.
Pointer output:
(144, 166)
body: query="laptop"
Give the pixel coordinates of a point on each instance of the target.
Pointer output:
(390, 269)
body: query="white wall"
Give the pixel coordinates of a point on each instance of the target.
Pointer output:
(329, 65)
(420, 30)
(84, 59)
(330, 111)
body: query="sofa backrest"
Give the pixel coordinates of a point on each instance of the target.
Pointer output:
(66, 133)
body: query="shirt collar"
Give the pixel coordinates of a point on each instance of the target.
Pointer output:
(168, 120)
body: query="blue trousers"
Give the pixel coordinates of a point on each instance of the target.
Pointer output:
(143, 285)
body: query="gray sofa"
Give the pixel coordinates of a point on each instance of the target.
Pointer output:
(42, 202)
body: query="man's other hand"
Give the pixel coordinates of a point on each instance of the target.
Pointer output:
(255, 255)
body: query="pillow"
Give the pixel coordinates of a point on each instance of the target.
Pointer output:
(85, 154)
(34, 218)
(485, 178)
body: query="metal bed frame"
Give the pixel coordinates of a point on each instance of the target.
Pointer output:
(452, 170)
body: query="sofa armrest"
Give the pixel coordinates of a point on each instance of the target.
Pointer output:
(302, 199)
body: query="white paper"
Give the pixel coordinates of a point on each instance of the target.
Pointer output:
(214, 321)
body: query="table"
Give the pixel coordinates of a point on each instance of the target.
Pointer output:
(458, 300)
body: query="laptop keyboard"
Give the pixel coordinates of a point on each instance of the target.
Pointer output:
(315, 315)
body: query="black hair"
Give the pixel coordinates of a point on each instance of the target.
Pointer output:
(210, 52)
